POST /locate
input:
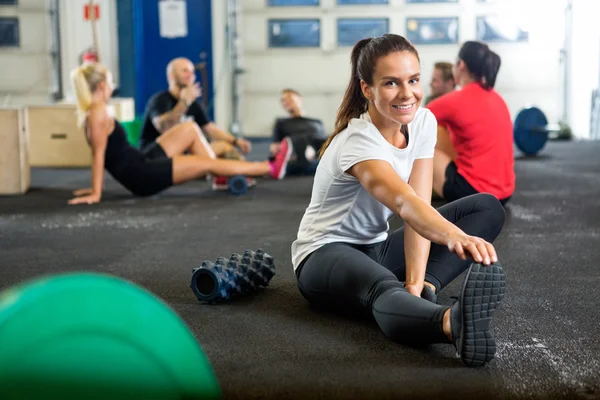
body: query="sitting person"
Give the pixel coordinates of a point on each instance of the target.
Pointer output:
(306, 135)
(474, 150)
(162, 164)
(378, 163)
(167, 109)
(442, 81)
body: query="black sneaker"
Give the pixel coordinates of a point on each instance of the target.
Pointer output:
(429, 294)
(471, 314)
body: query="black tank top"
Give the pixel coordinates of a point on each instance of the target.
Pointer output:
(120, 154)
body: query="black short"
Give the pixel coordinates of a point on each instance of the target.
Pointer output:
(153, 174)
(456, 186)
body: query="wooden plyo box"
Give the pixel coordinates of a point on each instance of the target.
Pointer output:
(54, 138)
(15, 172)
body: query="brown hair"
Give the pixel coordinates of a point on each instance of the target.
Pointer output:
(363, 59)
(289, 90)
(446, 70)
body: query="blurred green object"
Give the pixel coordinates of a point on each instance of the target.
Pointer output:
(92, 336)
(133, 130)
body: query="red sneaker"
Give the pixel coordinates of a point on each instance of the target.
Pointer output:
(279, 165)
(220, 183)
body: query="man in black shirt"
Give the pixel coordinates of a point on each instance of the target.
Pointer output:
(167, 110)
(306, 134)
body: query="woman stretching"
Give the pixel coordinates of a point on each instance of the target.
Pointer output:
(163, 164)
(378, 163)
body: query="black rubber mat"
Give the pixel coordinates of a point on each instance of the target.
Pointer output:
(272, 345)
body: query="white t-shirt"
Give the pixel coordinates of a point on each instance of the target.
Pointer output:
(340, 209)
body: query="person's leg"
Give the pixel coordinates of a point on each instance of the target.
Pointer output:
(480, 215)
(342, 278)
(190, 167)
(223, 149)
(186, 136)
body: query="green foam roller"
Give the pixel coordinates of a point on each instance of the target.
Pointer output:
(92, 336)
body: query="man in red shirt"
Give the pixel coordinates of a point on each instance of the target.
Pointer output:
(479, 157)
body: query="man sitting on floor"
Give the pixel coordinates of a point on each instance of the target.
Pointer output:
(306, 135)
(178, 104)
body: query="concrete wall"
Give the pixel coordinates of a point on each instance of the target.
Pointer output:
(27, 70)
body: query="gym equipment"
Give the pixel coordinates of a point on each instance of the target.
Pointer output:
(90, 336)
(238, 185)
(240, 274)
(531, 130)
(15, 169)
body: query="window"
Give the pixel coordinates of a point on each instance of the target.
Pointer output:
(348, 2)
(274, 3)
(294, 33)
(430, 1)
(9, 32)
(351, 30)
(432, 30)
(496, 29)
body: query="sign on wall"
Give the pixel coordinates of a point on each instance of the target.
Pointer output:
(443, 30)
(294, 33)
(91, 12)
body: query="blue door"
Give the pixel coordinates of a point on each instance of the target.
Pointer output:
(144, 59)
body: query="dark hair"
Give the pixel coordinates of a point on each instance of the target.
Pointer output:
(363, 60)
(290, 90)
(446, 70)
(482, 63)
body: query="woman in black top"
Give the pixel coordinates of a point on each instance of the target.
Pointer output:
(159, 167)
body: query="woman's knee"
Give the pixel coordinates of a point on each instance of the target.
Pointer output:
(491, 205)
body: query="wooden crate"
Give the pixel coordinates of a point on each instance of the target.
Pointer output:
(15, 172)
(54, 138)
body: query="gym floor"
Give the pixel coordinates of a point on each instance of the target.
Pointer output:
(273, 345)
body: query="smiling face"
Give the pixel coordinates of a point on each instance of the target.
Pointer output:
(396, 92)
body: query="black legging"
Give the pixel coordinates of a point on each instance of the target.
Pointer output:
(361, 278)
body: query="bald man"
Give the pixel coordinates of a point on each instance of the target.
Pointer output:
(167, 109)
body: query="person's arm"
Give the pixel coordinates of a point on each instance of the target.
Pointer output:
(416, 247)
(216, 133)
(276, 139)
(164, 118)
(98, 138)
(165, 121)
(383, 183)
(443, 108)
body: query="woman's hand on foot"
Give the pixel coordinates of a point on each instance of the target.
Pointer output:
(471, 246)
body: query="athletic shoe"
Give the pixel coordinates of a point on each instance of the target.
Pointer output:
(471, 315)
(279, 165)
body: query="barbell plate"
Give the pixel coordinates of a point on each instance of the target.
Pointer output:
(530, 132)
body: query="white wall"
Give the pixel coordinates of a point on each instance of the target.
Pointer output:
(584, 64)
(529, 74)
(27, 70)
(76, 36)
